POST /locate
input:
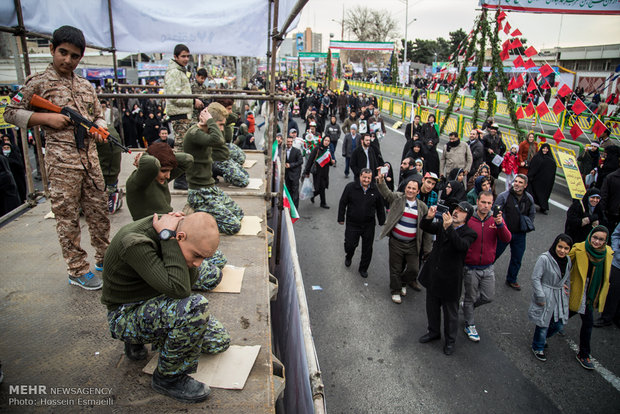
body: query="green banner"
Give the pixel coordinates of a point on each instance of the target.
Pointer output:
(318, 55)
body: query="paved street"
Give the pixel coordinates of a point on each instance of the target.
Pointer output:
(368, 347)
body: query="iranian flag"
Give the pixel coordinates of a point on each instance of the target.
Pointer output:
(288, 203)
(324, 159)
(274, 150)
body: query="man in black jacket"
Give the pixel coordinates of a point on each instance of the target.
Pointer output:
(294, 160)
(442, 274)
(365, 156)
(361, 201)
(332, 130)
(610, 198)
(415, 128)
(408, 172)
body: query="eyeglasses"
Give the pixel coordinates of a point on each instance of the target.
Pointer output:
(599, 239)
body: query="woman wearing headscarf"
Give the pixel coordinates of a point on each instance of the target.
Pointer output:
(320, 175)
(129, 129)
(584, 214)
(482, 184)
(589, 284)
(414, 149)
(527, 150)
(484, 170)
(541, 177)
(550, 285)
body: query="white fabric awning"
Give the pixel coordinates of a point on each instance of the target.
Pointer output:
(230, 28)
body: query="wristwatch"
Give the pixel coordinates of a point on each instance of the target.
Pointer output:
(166, 234)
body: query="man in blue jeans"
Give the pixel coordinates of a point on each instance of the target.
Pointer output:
(514, 203)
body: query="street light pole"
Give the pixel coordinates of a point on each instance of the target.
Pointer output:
(406, 20)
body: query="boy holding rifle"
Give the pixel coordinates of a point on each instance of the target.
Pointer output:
(75, 175)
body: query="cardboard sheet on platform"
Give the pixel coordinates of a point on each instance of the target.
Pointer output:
(255, 184)
(229, 369)
(249, 164)
(232, 279)
(250, 226)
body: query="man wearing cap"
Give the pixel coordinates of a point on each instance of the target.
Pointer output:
(443, 278)
(515, 203)
(479, 276)
(477, 151)
(349, 144)
(493, 146)
(406, 236)
(426, 193)
(349, 122)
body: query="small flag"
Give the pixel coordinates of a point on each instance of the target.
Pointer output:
(546, 85)
(576, 131)
(288, 203)
(516, 33)
(520, 114)
(501, 16)
(528, 64)
(18, 97)
(506, 44)
(546, 70)
(578, 107)
(558, 136)
(598, 128)
(530, 51)
(529, 109)
(558, 107)
(503, 55)
(531, 86)
(515, 44)
(564, 90)
(542, 109)
(324, 159)
(519, 81)
(507, 28)
(518, 62)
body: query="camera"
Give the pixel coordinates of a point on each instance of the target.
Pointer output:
(496, 211)
(384, 170)
(440, 210)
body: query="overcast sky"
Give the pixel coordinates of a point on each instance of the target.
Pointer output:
(436, 18)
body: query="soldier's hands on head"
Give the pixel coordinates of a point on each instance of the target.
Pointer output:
(166, 221)
(198, 104)
(204, 117)
(136, 160)
(57, 121)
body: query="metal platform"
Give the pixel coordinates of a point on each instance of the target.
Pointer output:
(56, 335)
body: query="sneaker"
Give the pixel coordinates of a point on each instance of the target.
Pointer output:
(602, 322)
(515, 285)
(99, 266)
(181, 387)
(540, 355)
(396, 298)
(87, 281)
(403, 291)
(112, 199)
(472, 333)
(585, 362)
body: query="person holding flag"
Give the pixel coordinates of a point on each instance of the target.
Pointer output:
(318, 164)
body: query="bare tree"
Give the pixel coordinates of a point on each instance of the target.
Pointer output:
(368, 25)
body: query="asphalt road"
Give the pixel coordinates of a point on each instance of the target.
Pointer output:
(368, 347)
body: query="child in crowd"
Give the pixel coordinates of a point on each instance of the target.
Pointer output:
(510, 165)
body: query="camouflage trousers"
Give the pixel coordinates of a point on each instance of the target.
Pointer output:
(180, 329)
(71, 189)
(180, 127)
(214, 201)
(210, 272)
(232, 172)
(236, 154)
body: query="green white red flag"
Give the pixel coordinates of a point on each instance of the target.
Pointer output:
(288, 203)
(324, 159)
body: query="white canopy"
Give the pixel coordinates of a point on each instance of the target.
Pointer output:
(230, 28)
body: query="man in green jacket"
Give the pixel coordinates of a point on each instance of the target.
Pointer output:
(203, 194)
(150, 268)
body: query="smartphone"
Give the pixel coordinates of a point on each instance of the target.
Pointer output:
(384, 170)
(496, 211)
(440, 210)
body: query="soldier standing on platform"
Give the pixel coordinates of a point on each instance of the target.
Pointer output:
(75, 175)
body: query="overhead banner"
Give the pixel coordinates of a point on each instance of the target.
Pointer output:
(348, 45)
(318, 55)
(573, 177)
(555, 6)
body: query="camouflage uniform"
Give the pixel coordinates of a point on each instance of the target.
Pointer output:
(177, 82)
(236, 154)
(110, 162)
(210, 272)
(179, 328)
(231, 172)
(196, 89)
(75, 175)
(217, 203)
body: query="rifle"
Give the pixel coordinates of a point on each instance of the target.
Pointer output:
(82, 125)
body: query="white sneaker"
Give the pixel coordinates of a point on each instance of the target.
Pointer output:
(472, 333)
(403, 291)
(396, 298)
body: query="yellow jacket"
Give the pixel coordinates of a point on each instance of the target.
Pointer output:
(579, 273)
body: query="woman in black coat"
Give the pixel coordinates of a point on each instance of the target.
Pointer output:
(130, 130)
(431, 158)
(429, 132)
(541, 177)
(320, 175)
(151, 128)
(583, 215)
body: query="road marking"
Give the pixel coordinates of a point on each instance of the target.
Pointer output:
(605, 373)
(555, 203)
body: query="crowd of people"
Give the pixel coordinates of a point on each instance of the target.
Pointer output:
(442, 206)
